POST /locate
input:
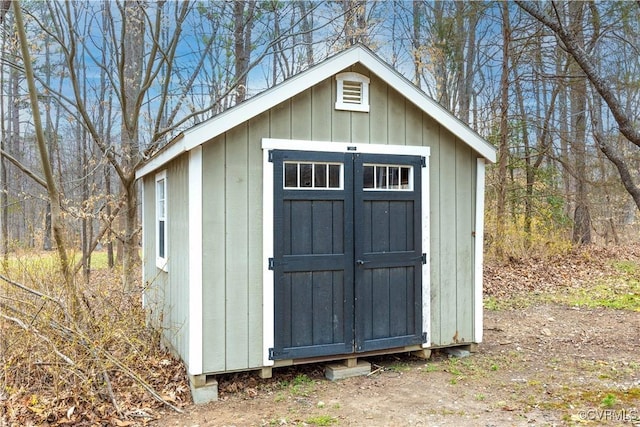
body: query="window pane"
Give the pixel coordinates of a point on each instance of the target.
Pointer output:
(368, 177)
(320, 172)
(334, 176)
(161, 228)
(290, 175)
(306, 175)
(160, 189)
(394, 177)
(381, 177)
(404, 179)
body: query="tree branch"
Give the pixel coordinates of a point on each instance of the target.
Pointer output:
(577, 51)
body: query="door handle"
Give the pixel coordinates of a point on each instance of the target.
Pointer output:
(362, 262)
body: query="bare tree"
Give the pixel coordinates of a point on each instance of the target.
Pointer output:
(57, 222)
(503, 147)
(574, 45)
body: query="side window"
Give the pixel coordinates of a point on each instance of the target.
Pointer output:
(161, 220)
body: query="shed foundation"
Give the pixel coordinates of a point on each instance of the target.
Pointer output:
(203, 389)
(340, 371)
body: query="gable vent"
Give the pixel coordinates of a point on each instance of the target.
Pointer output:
(352, 92)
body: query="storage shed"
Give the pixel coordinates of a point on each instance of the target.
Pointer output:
(336, 215)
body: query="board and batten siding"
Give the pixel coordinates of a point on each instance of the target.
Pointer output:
(166, 294)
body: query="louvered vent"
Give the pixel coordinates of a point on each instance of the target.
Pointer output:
(352, 92)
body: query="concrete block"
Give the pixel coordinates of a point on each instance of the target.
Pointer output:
(203, 392)
(339, 371)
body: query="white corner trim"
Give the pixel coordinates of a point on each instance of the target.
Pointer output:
(268, 309)
(195, 261)
(426, 249)
(144, 250)
(478, 248)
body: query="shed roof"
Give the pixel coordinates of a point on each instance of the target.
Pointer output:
(217, 125)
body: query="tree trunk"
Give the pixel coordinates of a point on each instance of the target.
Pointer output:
(133, 52)
(578, 94)
(503, 148)
(416, 42)
(243, 23)
(59, 232)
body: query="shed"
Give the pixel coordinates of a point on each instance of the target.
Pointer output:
(336, 215)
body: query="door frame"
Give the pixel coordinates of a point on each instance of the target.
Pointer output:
(268, 229)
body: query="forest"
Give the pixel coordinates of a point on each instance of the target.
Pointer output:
(552, 85)
(90, 90)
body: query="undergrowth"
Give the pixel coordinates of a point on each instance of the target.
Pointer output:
(102, 365)
(590, 277)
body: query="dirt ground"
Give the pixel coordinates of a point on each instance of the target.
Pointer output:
(542, 365)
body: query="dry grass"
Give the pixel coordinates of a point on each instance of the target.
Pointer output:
(107, 367)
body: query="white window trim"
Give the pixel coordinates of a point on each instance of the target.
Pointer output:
(364, 86)
(161, 262)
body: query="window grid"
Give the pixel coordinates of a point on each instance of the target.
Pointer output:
(377, 177)
(312, 175)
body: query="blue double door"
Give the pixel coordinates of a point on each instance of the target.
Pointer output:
(348, 255)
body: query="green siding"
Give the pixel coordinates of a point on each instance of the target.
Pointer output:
(464, 242)
(176, 314)
(214, 256)
(396, 118)
(447, 250)
(300, 116)
(236, 241)
(431, 138)
(258, 127)
(167, 295)
(321, 109)
(154, 280)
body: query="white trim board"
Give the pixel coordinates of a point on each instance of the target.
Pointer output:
(342, 147)
(478, 252)
(241, 113)
(267, 222)
(195, 262)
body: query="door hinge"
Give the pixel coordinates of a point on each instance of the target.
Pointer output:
(273, 354)
(425, 337)
(424, 259)
(271, 263)
(271, 156)
(423, 162)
